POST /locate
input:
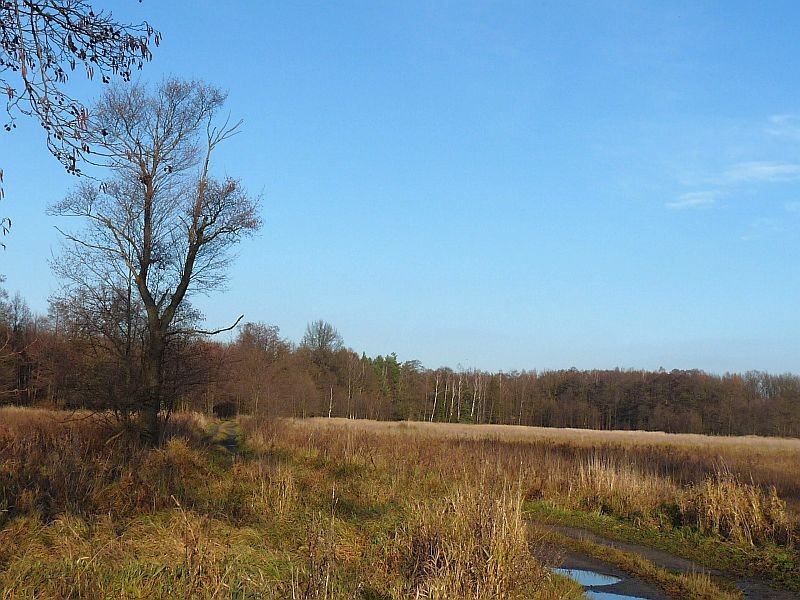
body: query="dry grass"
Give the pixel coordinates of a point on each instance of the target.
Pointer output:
(322, 510)
(607, 484)
(739, 511)
(591, 437)
(299, 516)
(458, 535)
(684, 459)
(470, 545)
(656, 486)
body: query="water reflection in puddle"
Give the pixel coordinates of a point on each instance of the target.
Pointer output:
(594, 579)
(588, 578)
(608, 596)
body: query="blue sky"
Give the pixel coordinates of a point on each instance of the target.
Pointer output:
(503, 185)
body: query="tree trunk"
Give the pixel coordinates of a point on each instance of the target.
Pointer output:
(153, 358)
(458, 409)
(435, 398)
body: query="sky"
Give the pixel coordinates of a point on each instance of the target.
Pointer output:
(495, 185)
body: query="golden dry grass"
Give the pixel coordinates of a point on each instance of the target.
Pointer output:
(591, 437)
(685, 459)
(335, 509)
(744, 489)
(88, 514)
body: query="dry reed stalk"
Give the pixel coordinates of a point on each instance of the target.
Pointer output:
(742, 512)
(472, 545)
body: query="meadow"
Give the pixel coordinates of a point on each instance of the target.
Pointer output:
(323, 508)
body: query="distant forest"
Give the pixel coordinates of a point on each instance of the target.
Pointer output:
(72, 358)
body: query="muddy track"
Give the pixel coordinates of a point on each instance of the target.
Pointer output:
(627, 586)
(757, 590)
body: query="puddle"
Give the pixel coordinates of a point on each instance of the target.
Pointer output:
(588, 578)
(608, 596)
(593, 579)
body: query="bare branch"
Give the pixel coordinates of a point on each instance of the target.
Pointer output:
(41, 43)
(205, 331)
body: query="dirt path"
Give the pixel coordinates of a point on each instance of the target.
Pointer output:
(750, 588)
(225, 435)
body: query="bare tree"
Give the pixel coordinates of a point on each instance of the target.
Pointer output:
(256, 355)
(101, 311)
(162, 221)
(322, 338)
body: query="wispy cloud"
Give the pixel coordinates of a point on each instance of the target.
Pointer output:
(695, 200)
(784, 126)
(748, 173)
(750, 177)
(758, 172)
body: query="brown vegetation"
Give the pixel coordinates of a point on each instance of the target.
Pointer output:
(89, 514)
(649, 458)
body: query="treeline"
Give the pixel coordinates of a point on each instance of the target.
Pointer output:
(72, 358)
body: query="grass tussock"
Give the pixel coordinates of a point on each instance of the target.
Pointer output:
(720, 505)
(606, 484)
(471, 545)
(742, 512)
